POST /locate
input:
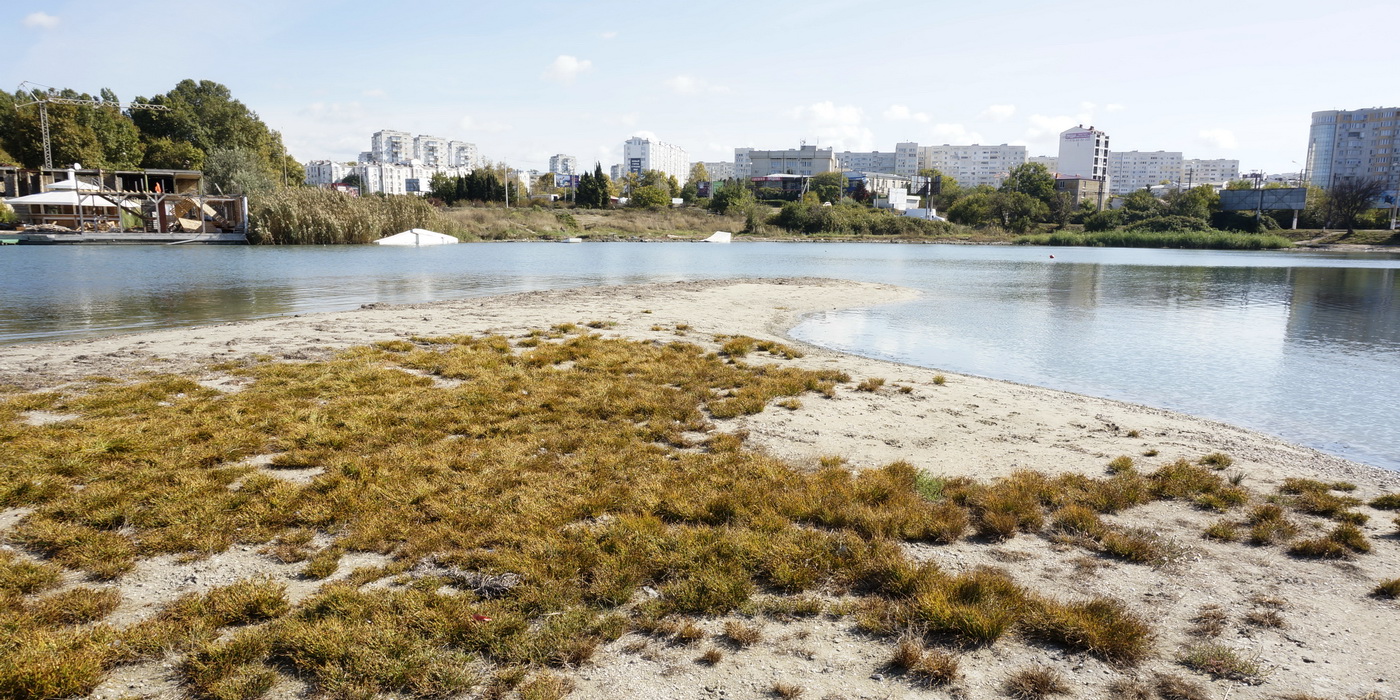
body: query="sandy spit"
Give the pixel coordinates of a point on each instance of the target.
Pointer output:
(1337, 642)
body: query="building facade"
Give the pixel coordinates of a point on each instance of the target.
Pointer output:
(1344, 144)
(1083, 153)
(561, 164)
(432, 151)
(1209, 171)
(323, 173)
(866, 161)
(640, 155)
(390, 146)
(719, 170)
(807, 160)
(906, 159)
(1051, 163)
(462, 154)
(400, 178)
(973, 165)
(1129, 171)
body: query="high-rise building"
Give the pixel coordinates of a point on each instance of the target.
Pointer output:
(563, 165)
(390, 146)
(432, 151)
(1359, 143)
(906, 159)
(1051, 163)
(1083, 153)
(1209, 171)
(973, 165)
(462, 154)
(641, 154)
(718, 170)
(1129, 171)
(743, 167)
(807, 160)
(866, 161)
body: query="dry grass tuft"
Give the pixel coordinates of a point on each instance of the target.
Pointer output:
(1130, 689)
(1209, 621)
(741, 635)
(1218, 461)
(1221, 661)
(871, 384)
(1342, 542)
(787, 691)
(1390, 501)
(1387, 589)
(1270, 619)
(1103, 627)
(546, 686)
(711, 657)
(1036, 683)
(1174, 687)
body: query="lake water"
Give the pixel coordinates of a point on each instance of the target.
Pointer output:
(1301, 345)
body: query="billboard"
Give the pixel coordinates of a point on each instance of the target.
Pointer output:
(1264, 200)
(411, 185)
(1076, 135)
(565, 180)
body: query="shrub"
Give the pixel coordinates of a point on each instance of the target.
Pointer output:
(1036, 683)
(1387, 589)
(1390, 501)
(1220, 661)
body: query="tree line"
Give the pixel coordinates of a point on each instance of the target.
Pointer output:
(204, 128)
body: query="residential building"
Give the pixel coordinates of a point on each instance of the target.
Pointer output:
(866, 161)
(432, 151)
(1359, 143)
(807, 160)
(718, 170)
(1083, 153)
(1083, 189)
(743, 166)
(878, 184)
(906, 159)
(1203, 171)
(1284, 179)
(563, 165)
(390, 146)
(462, 155)
(1051, 163)
(973, 165)
(323, 173)
(615, 172)
(365, 157)
(401, 178)
(641, 154)
(1129, 171)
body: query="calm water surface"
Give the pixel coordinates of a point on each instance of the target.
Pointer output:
(1301, 345)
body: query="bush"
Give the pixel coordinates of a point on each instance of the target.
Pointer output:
(1106, 220)
(1164, 224)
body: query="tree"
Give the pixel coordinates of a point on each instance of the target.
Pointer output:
(946, 189)
(1198, 202)
(829, 186)
(1239, 185)
(594, 191)
(698, 174)
(236, 171)
(353, 180)
(1350, 197)
(1141, 204)
(730, 198)
(650, 197)
(205, 115)
(972, 210)
(169, 154)
(1031, 179)
(1017, 211)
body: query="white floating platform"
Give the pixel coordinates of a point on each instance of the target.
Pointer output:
(418, 236)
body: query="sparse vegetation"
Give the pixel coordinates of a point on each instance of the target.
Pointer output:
(787, 691)
(939, 380)
(1387, 589)
(1341, 543)
(1174, 687)
(1221, 661)
(742, 635)
(1390, 501)
(1036, 683)
(871, 384)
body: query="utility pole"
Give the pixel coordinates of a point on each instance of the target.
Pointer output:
(50, 96)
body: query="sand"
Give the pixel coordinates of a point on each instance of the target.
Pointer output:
(1337, 643)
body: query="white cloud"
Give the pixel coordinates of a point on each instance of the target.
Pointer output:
(1043, 126)
(837, 126)
(901, 113)
(1113, 107)
(42, 20)
(1218, 138)
(334, 112)
(1087, 107)
(469, 123)
(565, 69)
(955, 134)
(644, 134)
(998, 113)
(689, 85)
(608, 36)
(375, 93)
(628, 118)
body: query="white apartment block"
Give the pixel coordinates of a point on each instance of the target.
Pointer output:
(1084, 153)
(1214, 171)
(389, 146)
(807, 160)
(563, 165)
(1358, 143)
(615, 172)
(320, 173)
(398, 178)
(640, 155)
(1051, 163)
(906, 159)
(973, 165)
(866, 161)
(462, 154)
(743, 166)
(1130, 171)
(432, 151)
(718, 170)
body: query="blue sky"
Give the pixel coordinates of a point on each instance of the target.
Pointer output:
(525, 80)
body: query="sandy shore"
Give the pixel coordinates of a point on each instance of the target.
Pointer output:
(1337, 643)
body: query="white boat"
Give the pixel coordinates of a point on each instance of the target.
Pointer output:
(719, 237)
(417, 236)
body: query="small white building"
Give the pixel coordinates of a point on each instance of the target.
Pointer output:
(321, 173)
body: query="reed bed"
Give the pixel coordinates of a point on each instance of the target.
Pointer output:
(1214, 240)
(313, 216)
(525, 504)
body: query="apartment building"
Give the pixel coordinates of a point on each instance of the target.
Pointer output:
(320, 173)
(431, 151)
(1354, 144)
(390, 146)
(1051, 163)
(906, 159)
(866, 161)
(807, 160)
(719, 170)
(561, 164)
(1083, 153)
(973, 165)
(1209, 171)
(1129, 171)
(640, 155)
(463, 154)
(401, 178)
(743, 166)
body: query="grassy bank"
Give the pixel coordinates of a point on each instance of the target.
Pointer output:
(310, 215)
(1217, 240)
(533, 223)
(534, 498)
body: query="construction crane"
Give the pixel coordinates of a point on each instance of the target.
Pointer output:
(51, 96)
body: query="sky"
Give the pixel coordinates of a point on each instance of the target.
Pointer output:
(526, 80)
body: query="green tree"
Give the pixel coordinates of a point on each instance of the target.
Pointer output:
(169, 154)
(206, 115)
(650, 197)
(1032, 179)
(1239, 185)
(829, 186)
(731, 197)
(698, 174)
(236, 171)
(972, 210)
(1141, 204)
(1198, 202)
(1017, 211)
(946, 189)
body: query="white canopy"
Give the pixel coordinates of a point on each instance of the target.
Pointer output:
(417, 236)
(73, 184)
(67, 197)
